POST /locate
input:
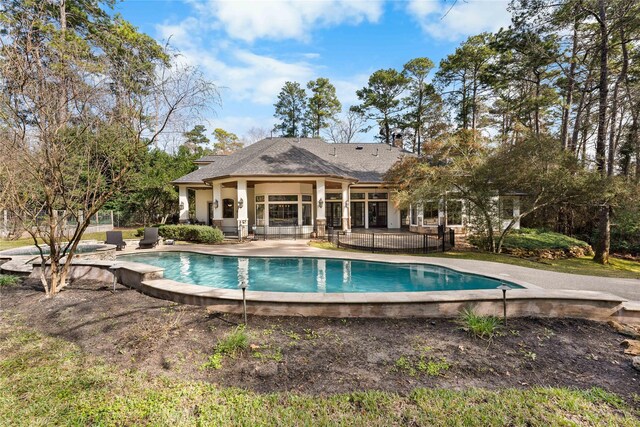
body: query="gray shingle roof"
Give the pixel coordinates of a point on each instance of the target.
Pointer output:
(301, 157)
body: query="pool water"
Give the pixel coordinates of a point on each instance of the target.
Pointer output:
(309, 274)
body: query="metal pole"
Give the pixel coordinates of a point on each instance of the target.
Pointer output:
(504, 305)
(244, 305)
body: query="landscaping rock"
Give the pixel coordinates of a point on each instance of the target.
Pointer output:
(633, 347)
(630, 331)
(636, 362)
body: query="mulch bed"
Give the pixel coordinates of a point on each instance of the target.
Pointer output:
(322, 356)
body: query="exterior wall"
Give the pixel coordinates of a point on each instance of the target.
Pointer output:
(230, 193)
(419, 226)
(203, 198)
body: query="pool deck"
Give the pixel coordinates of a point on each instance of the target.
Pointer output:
(626, 288)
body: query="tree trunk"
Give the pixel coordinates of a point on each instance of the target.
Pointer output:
(604, 235)
(614, 107)
(564, 133)
(465, 118)
(603, 242)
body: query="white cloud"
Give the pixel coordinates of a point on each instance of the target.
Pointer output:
(243, 75)
(249, 20)
(464, 18)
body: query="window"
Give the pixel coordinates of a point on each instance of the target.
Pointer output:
(260, 214)
(379, 196)
(306, 198)
(283, 214)
(283, 198)
(334, 196)
(414, 215)
(306, 214)
(506, 208)
(228, 210)
(259, 199)
(454, 212)
(357, 196)
(431, 213)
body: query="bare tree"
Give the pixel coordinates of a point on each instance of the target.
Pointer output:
(255, 134)
(344, 131)
(78, 110)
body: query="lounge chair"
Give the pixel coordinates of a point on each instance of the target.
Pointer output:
(150, 238)
(115, 238)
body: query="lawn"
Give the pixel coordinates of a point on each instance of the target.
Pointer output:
(49, 381)
(100, 237)
(586, 266)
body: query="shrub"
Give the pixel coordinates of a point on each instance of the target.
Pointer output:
(191, 233)
(233, 343)
(484, 327)
(6, 280)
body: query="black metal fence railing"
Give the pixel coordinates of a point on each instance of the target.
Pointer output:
(394, 242)
(286, 232)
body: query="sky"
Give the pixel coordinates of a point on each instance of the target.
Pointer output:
(249, 48)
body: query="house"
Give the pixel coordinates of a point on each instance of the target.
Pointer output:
(305, 183)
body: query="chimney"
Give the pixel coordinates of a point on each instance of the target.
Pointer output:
(396, 138)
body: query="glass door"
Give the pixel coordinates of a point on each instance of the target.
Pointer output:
(377, 214)
(357, 214)
(334, 214)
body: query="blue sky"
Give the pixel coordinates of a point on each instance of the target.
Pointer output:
(250, 48)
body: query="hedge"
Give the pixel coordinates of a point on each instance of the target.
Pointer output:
(190, 233)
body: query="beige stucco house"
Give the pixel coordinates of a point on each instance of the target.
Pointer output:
(305, 184)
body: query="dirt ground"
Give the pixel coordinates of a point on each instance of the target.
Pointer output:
(322, 356)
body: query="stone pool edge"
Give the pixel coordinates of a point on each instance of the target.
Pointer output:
(529, 301)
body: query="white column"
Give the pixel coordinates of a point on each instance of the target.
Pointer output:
(346, 208)
(243, 217)
(183, 200)
(366, 212)
(516, 211)
(320, 195)
(217, 199)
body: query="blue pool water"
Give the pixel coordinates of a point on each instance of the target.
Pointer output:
(309, 274)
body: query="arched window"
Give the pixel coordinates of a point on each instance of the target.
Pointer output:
(227, 208)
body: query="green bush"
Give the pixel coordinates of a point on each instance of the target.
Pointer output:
(191, 233)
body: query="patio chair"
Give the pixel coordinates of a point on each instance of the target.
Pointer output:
(115, 238)
(150, 238)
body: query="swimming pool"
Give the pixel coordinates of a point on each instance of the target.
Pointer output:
(309, 274)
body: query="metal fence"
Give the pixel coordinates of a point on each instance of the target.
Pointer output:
(12, 226)
(394, 242)
(285, 232)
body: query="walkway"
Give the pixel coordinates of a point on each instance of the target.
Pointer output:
(626, 288)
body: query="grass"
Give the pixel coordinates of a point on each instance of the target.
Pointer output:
(6, 280)
(617, 267)
(483, 327)
(231, 345)
(47, 381)
(531, 239)
(100, 237)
